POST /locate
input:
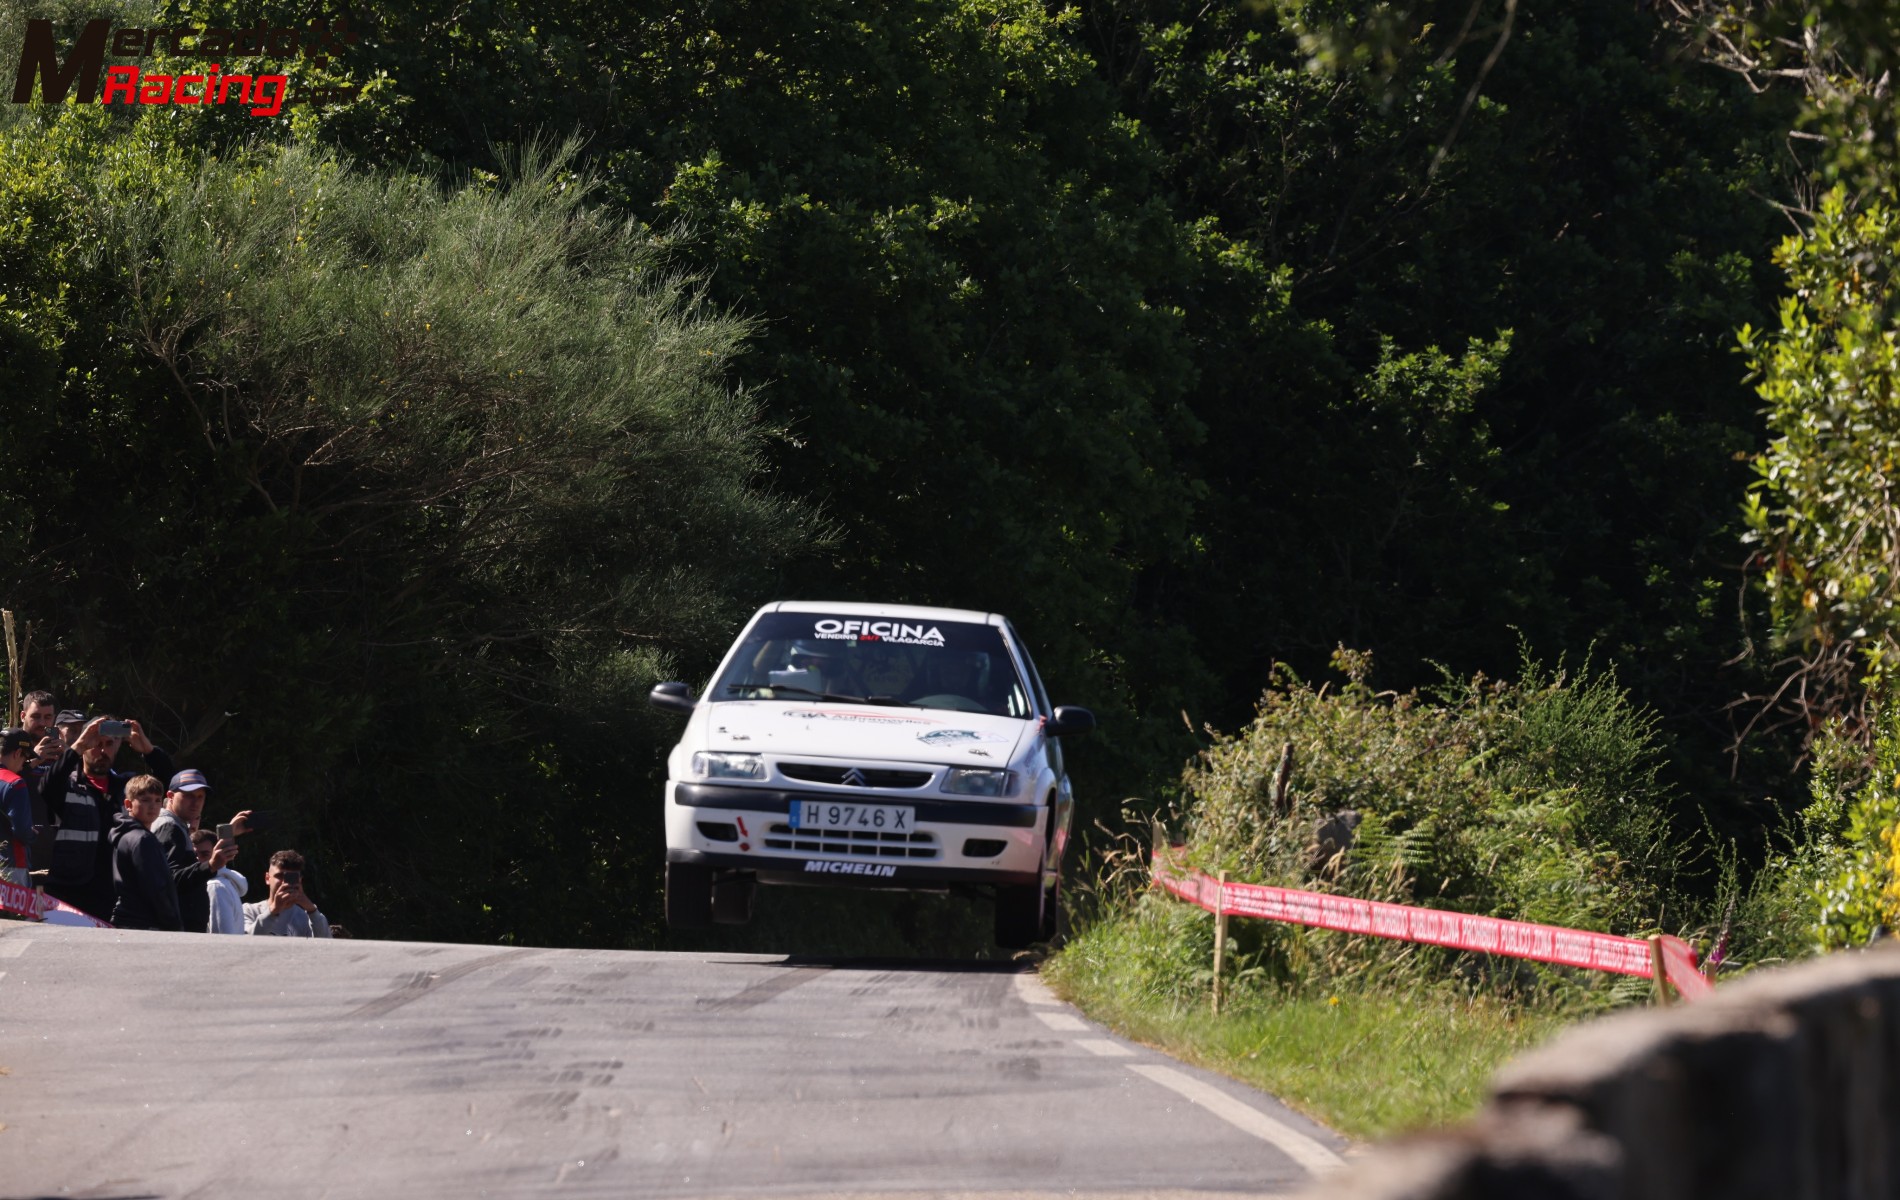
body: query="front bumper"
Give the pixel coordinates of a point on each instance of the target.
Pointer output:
(829, 871)
(742, 828)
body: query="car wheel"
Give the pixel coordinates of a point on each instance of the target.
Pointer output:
(732, 901)
(689, 896)
(1054, 927)
(1019, 915)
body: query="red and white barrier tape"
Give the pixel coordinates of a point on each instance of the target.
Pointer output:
(1435, 927)
(24, 901)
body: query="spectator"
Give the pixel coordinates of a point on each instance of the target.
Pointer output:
(288, 912)
(68, 724)
(36, 717)
(145, 896)
(16, 804)
(225, 889)
(82, 794)
(184, 804)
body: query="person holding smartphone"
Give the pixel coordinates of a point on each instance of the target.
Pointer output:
(37, 712)
(185, 800)
(224, 891)
(289, 912)
(83, 793)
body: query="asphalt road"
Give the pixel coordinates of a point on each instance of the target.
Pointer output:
(172, 1065)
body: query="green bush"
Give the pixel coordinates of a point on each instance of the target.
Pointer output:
(1840, 885)
(381, 499)
(1536, 799)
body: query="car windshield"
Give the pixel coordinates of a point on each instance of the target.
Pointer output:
(915, 662)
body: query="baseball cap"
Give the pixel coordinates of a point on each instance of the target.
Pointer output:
(70, 716)
(15, 739)
(188, 781)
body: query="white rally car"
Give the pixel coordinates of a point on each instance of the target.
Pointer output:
(874, 745)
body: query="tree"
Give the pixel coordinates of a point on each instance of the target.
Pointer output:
(1382, 195)
(405, 492)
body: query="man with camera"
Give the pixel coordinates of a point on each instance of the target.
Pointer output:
(288, 912)
(184, 804)
(83, 793)
(36, 718)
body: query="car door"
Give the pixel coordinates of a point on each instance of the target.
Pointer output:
(1063, 803)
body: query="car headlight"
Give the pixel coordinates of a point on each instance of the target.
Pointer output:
(708, 765)
(977, 781)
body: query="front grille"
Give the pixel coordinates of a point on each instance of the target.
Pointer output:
(877, 777)
(855, 843)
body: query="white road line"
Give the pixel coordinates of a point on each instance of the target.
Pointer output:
(1030, 989)
(1105, 1048)
(1317, 1159)
(1063, 1022)
(14, 946)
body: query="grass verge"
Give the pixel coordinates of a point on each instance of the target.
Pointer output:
(1368, 1063)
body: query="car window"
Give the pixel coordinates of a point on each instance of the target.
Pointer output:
(920, 663)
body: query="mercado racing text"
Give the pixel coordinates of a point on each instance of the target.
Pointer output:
(264, 93)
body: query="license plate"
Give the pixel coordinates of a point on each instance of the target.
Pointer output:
(858, 818)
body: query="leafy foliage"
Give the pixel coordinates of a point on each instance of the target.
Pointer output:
(1823, 509)
(1196, 338)
(415, 489)
(1840, 886)
(1373, 189)
(1536, 799)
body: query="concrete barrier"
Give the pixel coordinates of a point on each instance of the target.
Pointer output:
(1784, 1085)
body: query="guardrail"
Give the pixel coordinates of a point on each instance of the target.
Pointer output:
(1655, 958)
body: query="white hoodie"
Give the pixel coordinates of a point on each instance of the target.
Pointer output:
(227, 901)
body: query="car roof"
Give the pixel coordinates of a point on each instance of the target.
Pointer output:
(913, 612)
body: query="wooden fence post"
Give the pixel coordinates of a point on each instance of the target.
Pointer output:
(1220, 936)
(1658, 975)
(13, 668)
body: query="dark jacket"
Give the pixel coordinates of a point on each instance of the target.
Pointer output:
(81, 864)
(43, 830)
(16, 821)
(141, 878)
(191, 876)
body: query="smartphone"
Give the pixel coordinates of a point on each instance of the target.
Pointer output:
(291, 878)
(117, 729)
(227, 833)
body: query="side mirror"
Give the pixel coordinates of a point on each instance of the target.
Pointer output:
(674, 697)
(1068, 721)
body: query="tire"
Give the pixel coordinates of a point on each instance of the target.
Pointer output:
(689, 896)
(732, 901)
(1055, 924)
(1019, 915)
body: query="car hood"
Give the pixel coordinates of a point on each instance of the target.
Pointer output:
(864, 731)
